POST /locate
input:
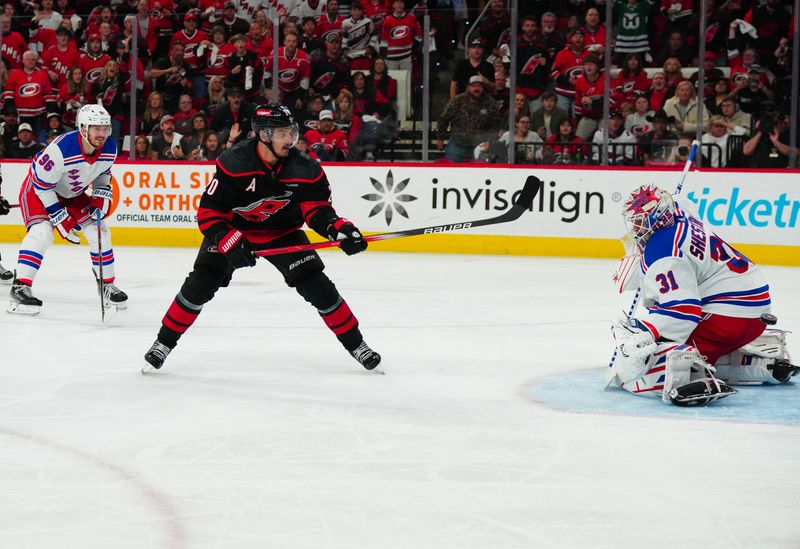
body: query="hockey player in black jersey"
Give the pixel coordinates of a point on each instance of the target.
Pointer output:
(262, 192)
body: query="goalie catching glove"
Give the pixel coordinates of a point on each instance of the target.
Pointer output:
(236, 249)
(352, 241)
(66, 225)
(101, 200)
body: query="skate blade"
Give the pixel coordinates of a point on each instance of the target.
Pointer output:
(148, 369)
(378, 370)
(19, 309)
(110, 312)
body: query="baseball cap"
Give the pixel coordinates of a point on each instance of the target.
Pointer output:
(24, 126)
(325, 115)
(93, 36)
(53, 115)
(615, 114)
(229, 4)
(711, 55)
(476, 42)
(233, 90)
(190, 16)
(167, 118)
(755, 68)
(475, 79)
(573, 32)
(332, 36)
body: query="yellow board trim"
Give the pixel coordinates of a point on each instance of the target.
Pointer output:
(442, 243)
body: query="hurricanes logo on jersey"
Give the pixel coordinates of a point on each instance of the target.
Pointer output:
(93, 75)
(533, 63)
(259, 211)
(400, 32)
(29, 90)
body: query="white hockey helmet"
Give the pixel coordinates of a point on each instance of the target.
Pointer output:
(648, 210)
(92, 115)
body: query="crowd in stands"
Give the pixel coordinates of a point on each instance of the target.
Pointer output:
(559, 98)
(201, 66)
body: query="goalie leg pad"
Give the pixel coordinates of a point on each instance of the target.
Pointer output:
(764, 360)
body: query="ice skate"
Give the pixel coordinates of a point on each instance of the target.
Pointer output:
(114, 296)
(5, 274)
(368, 358)
(155, 357)
(22, 300)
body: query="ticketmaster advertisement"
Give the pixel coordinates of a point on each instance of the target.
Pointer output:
(578, 212)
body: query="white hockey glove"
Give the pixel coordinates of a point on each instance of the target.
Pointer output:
(633, 352)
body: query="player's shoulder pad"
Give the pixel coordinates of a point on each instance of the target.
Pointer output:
(301, 168)
(239, 160)
(662, 243)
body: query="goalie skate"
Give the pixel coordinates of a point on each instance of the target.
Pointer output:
(22, 301)
(701, 392)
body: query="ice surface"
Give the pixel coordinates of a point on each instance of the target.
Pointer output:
(261, 431)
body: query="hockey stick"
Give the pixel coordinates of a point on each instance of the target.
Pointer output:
(523, 202)
(100, 281)
(610, 373)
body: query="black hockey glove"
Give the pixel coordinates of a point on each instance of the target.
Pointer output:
(5, 207)
(236, 249)
(352, 239)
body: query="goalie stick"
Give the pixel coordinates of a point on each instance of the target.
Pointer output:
(523, 202)
(610, 373)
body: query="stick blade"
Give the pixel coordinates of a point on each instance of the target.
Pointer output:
(532, 187)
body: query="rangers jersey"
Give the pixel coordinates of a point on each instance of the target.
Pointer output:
(62, 170)
(689, 272)
(264, 202)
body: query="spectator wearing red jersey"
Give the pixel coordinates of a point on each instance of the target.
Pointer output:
(230, 22)
(58, 59)
(329, 71)
(260, 42)
(659, 92)
(631, 81)
(327, 141)
(400, 34)
(30, 91)
(215, 53)
(293, 74)
(246, 69)
(589, 93)
(385, 88)
(567, 67)
(330, 22)
(594, 32)
(376, 10)
(73, 94)
(13, 44)
(192, 38)
(344, 116)
(93, 59)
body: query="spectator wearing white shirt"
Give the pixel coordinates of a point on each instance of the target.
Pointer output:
(720, 130)
(621, 142)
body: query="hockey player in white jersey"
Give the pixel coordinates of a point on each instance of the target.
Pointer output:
(707, 310)
(54, 196)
